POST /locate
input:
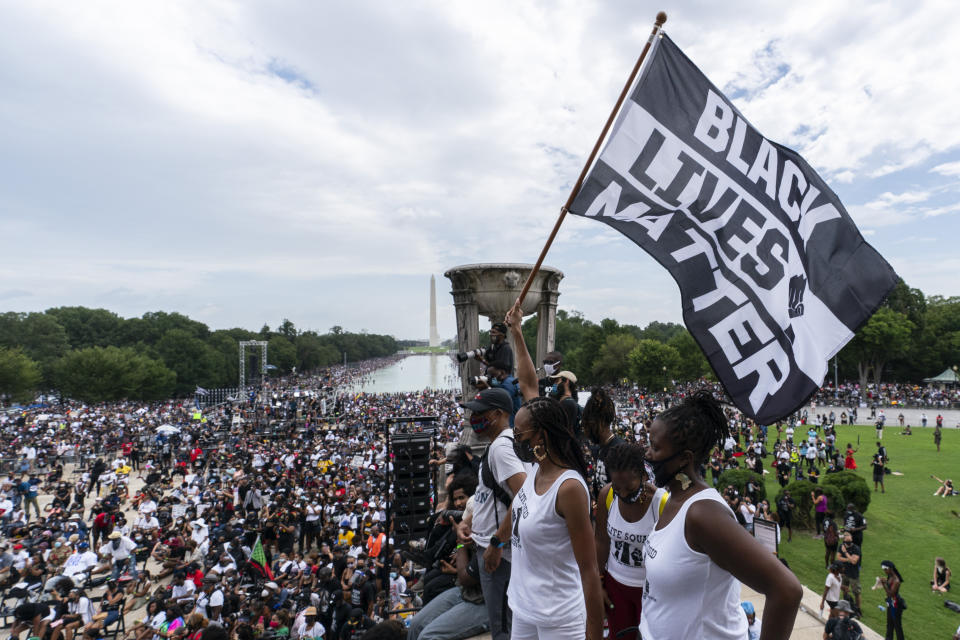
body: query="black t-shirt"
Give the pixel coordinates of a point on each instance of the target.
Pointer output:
(833, 623)
(785, 506)
(853, 519)
(851, 569)
(502, 352)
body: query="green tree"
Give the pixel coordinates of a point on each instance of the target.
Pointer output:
(101, 374)
(193, 360)
(693, 364)
(281, 353)
(886, 335)
(653, 363)
(39, 335)
(88, 327)
(19, 375)
(612, 363)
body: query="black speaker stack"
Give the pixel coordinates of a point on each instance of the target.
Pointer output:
(412, 504)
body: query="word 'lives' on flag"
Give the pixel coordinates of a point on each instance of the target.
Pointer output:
(258, 560)
(774, 275)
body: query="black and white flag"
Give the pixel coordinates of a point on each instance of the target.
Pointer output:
(774, 275)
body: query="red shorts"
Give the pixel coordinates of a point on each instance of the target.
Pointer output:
(626, 605)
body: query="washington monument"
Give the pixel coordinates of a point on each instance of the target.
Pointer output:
(434, 335)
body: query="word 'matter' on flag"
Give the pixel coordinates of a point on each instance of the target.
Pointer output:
(774, 275)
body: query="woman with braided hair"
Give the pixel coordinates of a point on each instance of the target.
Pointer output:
(627, 510)
(554, 590)
(697, 555)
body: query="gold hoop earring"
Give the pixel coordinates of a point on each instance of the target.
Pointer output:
(541, 454)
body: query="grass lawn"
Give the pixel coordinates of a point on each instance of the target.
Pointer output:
(428, 349)
(906, 525)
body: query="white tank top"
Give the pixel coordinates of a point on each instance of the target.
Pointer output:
(545, 585)
(625, 560)
(686, 594)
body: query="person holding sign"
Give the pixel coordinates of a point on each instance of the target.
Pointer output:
(697, 554)
(627, 511)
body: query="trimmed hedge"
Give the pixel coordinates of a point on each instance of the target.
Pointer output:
(801, 492)
(738, 478)
(852, 487)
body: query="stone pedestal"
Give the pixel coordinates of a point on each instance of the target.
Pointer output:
(490, 290)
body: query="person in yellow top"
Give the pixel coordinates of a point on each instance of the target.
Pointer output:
(794, 459)
(345, 537)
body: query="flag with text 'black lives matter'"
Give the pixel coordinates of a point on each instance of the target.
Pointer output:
(774, 276)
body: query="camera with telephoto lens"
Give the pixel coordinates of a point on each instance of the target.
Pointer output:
(477, 354)
(478, 380)
(452, 514)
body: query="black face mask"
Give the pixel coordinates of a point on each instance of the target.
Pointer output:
(662, 477)
(634, 497)
(524, 451)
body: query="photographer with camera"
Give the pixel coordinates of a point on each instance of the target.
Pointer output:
(498, 351)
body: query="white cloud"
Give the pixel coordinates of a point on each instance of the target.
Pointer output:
(240, 161)
(947, 169)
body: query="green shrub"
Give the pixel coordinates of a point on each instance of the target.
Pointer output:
(853, 488)
(738, 478)
(801, 490)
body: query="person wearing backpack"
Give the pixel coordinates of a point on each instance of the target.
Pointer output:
(843, 626)
(831, 539)
(501, 475)
(627, 510)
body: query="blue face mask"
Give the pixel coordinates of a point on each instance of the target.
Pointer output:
(494, 382)
(554, 390)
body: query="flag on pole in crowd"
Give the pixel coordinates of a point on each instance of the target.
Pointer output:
(201, 391)
(258, 560)
(774, 276)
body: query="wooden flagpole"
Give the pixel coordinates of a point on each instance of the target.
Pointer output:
(661, 18)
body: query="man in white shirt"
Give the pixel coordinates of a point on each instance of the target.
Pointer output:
(75, 565)
(119, 549)
(147, 507)
(182, 590)
(210, 599)
(494, 408)
(200, 531)
(309, 628)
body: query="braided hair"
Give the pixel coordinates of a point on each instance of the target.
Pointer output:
(600, 411)
(697, 423)
(548, 416)
(626, 457)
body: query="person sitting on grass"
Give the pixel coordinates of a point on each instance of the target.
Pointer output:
(945, 489)
(941, 576)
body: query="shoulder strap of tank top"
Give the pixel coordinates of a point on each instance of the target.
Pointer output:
(609, 500)
(663, 503)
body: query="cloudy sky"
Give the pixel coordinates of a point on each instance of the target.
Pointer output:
(246, 162)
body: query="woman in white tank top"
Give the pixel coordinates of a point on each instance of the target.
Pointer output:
(697, 555)
(554, 590)
(627, 510)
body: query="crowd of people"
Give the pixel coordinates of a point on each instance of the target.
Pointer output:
(267, 517)
(889, 394)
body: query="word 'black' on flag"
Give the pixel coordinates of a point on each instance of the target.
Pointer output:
(773, 274)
